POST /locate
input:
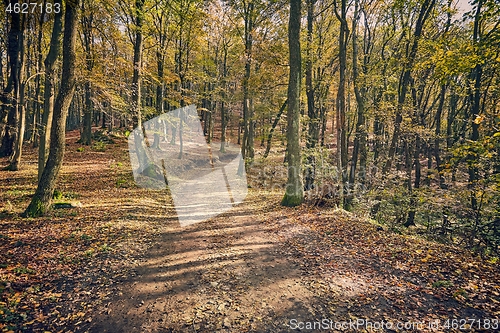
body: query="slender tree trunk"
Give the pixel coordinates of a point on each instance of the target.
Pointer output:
(86, 138)
(437, 139)
(342, 143)
(294, 194)
(8, 113)
(273, 127)
(35, 134)
(159, 97)
(359, 149)
(136, 79)
(313, 130)
(41, 201)
(247, 121)
(136, 84)
(21, 107)
(413, 196)
(49, 91)
(475, 109)
(88, 38)
(223, 111)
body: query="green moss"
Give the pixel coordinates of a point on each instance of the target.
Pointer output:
(57, 194)
(35, 209)
(292, 200)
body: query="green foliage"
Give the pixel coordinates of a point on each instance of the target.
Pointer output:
(442, 283)
(99, 146)
(23, 270)
(85, 237)
(57, 195)
(105, 248)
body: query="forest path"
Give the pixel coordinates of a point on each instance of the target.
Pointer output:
(263, 268)
(229, 274)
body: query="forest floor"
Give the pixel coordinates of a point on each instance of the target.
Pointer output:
(120, 262)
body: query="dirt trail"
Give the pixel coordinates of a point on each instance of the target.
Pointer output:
(229, 274)
(260, 266)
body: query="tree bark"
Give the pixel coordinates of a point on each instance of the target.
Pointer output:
(342, 143)
(294, 194)
(246, 150)
(475, 108)
(8, 125)
(313, 130)
(35, 134)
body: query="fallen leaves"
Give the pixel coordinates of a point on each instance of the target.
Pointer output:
(52, 268)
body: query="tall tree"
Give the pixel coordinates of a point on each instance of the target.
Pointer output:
(20, 100)
(88, 8)
(313, 130)
(49, 91)
(40, 203)
(137, 79)
(342, 143)
(294, 193)
(9, 98)
(359, 149)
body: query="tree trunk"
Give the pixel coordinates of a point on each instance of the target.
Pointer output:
(294, 194)
(87, 26)
(247, 121)
(136, 82)
(49, 91)
(159, 97)
(35, 134)
(8, 125)
(223, 111)
(413, 197)
(136, 79)
(359, 150)
(313, 130)
(475, 108)
(40, 203)
(437, 139)
(273, 127)
(342, 144)
(20, 104)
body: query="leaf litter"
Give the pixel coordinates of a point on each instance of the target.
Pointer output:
(120, 261)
